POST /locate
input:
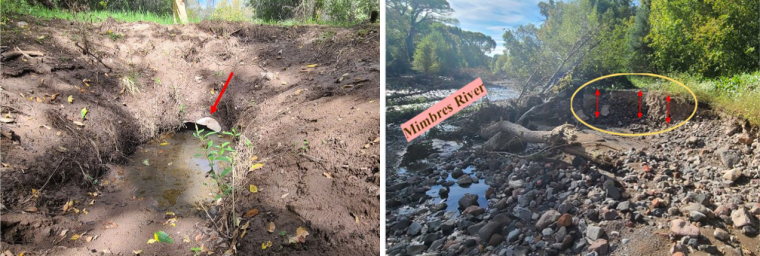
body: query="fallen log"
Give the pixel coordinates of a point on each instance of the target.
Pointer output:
(15, 54)
(564, 137)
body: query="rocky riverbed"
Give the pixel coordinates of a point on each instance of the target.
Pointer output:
(691, 191)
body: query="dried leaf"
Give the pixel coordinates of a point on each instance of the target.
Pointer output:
(300, 236)
(271, 227)
(376, 140)
(328, 175)
(85, 82)
(68, 205)
(297, 91)
(256, 166)
(186, 239)
(285, 195)
(171, 222)
(54, 96)
(266, 245)
(63, 232)
(301, 232)
(7, 120)
(252, 213)
(78, 123)
(253, 188)
(70, 99)
(137, 252)
(88, 238)
(31, 209)
(110, 225)
(245, 228)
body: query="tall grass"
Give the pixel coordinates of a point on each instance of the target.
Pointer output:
(24, 8)
(21, 7)
(738, 94)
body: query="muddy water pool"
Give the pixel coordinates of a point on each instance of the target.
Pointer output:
(170, 173)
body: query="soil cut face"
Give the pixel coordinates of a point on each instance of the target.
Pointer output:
(304, 99)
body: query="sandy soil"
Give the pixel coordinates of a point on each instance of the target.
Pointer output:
(329, 187)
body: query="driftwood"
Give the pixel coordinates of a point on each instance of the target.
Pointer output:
(15, 54)
(564, 137)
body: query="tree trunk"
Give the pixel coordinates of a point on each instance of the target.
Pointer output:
(409, 42)
(179, 11)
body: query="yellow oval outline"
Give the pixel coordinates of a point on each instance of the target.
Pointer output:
(696, 102)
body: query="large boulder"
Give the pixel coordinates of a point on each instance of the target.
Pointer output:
(467, 200)
(740, 217)
(489, 230)
(682, 228)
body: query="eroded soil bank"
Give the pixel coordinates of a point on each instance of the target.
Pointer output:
(692, 190)
(313, 127)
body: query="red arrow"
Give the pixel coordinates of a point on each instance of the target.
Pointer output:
(597, 103)
(213, 108)
(668, 118)
(640, 94)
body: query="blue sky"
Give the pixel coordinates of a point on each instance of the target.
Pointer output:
(492, 17)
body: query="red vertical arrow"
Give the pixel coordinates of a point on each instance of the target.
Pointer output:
(668, 118)
(597, 104)
(213, 108)
(640, 94)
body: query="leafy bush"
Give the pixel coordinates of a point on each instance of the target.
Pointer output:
(217, 153)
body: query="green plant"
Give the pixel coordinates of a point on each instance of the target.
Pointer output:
(305, 147)
(233, 133)
(326, 36)
(114, 36)
(217, 153)
(92, 180)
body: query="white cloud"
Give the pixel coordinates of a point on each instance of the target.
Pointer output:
(498, 50)
(493, 17)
